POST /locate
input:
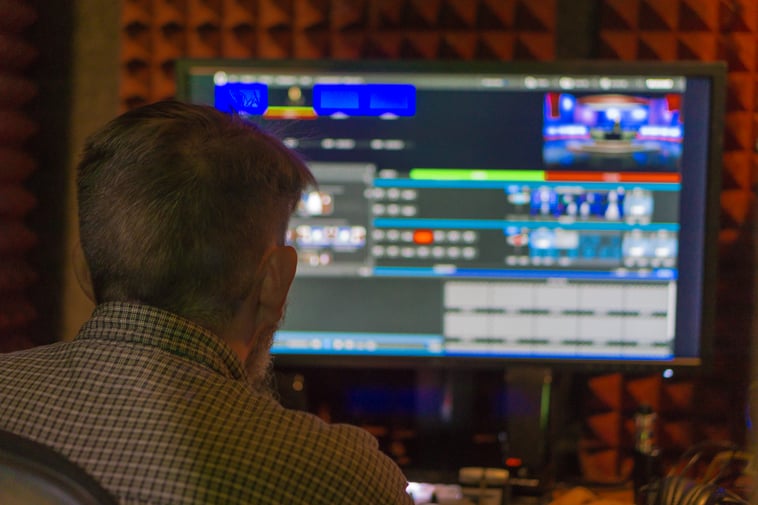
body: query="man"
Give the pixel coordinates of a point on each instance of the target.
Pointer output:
(182, 213)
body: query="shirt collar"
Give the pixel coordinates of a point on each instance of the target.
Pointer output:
(150, 326)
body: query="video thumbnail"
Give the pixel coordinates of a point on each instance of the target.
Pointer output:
(612, 132)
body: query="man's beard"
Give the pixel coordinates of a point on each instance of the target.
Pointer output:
(260, 366)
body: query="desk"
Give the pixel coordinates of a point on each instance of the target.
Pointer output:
(561, 495)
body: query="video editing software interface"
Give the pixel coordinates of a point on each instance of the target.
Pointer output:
(485, 214)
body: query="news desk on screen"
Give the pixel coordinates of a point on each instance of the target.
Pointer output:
(492, 212)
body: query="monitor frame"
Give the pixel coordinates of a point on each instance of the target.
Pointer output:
(715, 72)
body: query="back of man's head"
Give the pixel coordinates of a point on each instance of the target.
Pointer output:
(177, 204)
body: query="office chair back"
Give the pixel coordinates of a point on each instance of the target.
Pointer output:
(33, 473)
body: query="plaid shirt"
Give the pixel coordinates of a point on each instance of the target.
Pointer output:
(159, 410)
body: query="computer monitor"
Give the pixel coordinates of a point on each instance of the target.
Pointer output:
(486, 213)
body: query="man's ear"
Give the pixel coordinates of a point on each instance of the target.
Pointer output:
(81, 271)
(279, 268)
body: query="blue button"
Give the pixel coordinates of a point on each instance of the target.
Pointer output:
(364, 99)
(246, 98)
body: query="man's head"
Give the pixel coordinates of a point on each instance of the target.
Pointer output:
(185, 208)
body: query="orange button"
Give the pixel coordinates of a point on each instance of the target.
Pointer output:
(423, 236)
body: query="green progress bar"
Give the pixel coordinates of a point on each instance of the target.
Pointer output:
(456, 174)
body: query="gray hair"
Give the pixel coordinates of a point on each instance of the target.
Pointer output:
(178, 203)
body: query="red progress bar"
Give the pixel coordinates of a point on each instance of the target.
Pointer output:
(612, 177)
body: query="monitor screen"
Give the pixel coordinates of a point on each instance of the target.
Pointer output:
(492, 212)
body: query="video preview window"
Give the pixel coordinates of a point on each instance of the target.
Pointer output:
(612, 132)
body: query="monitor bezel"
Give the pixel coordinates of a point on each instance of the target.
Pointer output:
(715, 72)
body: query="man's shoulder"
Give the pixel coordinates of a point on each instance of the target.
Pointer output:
(333, 458)
(33, 351)
(38, 354)
(305, 425)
